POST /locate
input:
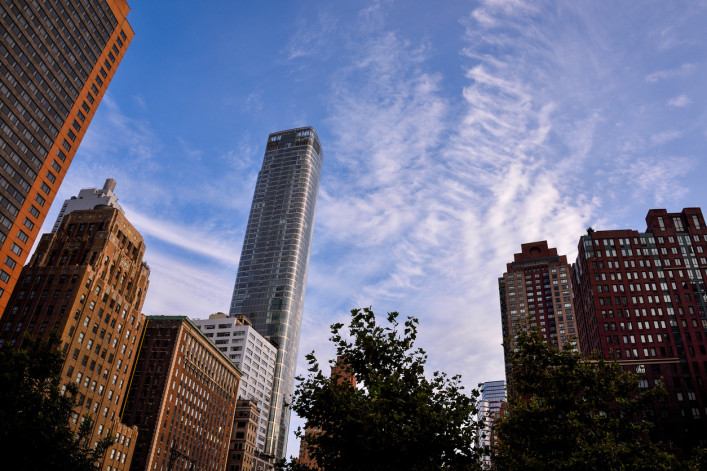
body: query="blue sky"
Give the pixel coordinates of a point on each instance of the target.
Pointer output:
(452, 133)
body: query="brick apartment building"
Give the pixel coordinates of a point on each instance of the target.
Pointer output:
(535, 292)
(88, 282)
(640, 299)
(182, 398)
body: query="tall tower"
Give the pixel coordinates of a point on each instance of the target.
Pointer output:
(535, 291)
(491, 408)
(641, 300)
(87, 282)
(272, 271)
(56, 61)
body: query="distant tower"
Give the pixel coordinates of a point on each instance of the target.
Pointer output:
(56, 61)
(535, 291)
(272, 272)
(491, 407)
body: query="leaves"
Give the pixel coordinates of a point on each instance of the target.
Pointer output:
(568, 412)
(395, 417)
(35, 415)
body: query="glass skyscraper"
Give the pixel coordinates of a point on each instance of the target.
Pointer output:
(272, 271)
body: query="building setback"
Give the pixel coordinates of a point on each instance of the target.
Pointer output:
(252, 354)
(535, 291)
(182, 398)
(56, 61)
(272, 271)
(88, 282)
(89, 198)
(641, 300)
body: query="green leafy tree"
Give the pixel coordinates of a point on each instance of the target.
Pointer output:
(395, 418)
(35, 430)
(567, 412)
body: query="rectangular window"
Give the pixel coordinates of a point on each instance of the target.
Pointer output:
(34, 211)
(45, 188)
(40, 199)
(22, 236)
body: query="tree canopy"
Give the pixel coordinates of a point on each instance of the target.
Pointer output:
(396, 417)
(35, 416)
(569, 412)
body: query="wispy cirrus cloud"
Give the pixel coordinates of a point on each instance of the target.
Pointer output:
(682, 71)
(664, 137)
(654, 180)
(195, 238)
(311, 36)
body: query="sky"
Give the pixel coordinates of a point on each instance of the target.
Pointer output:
(452, 132)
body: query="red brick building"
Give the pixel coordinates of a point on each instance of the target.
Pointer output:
(182, 398)
(88, 282)
(535, 291)
(640, 298)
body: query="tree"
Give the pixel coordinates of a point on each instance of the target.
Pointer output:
(569, 412)
(396, 417)
(35, 430)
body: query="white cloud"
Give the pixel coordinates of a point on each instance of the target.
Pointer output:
(680, 101)
(665, 137)
(181, 287)
(655, 180)
(311, 37)
(191, 238)
(659, 75)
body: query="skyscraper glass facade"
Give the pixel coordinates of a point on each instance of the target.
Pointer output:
(272, 271)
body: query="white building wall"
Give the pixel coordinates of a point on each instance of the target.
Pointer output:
(89, 198)
(250, 352)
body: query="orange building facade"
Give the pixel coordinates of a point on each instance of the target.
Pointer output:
(56, 61)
